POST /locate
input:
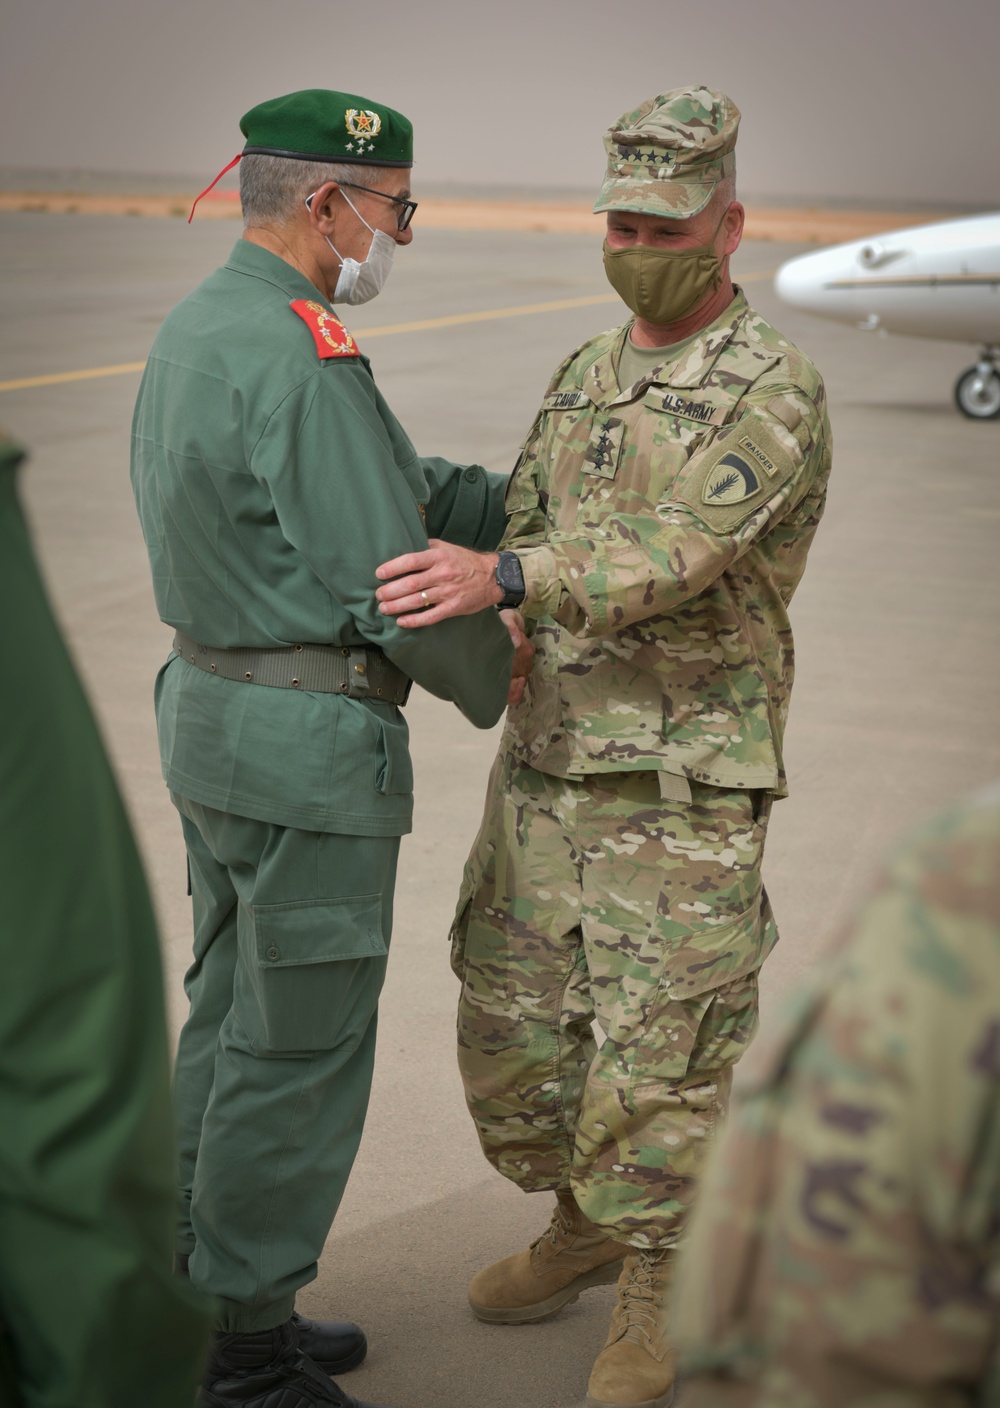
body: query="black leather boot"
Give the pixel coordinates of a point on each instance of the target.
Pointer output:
(266, 1369)
(337, 1346)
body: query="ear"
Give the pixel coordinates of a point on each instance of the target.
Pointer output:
(733, 225)
(320, 207)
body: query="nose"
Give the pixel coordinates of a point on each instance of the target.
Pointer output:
(404, 236)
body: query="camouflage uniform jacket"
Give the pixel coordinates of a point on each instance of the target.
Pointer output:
(662, 530)
(846, 1246)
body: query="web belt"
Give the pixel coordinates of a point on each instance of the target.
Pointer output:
(359, 671)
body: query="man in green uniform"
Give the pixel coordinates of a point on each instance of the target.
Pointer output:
(90, 1315)
(846, 1249)
(661, 512)
(271, 479)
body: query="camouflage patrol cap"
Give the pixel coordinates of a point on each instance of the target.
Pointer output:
(667, 156)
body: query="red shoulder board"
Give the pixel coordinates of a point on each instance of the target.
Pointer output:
(331, 337)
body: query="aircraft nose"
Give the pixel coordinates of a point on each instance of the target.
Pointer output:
(802, 282)
(810, 282)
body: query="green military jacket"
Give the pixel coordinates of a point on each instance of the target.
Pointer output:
(846, 1245)
(271, 480)
(662, 529)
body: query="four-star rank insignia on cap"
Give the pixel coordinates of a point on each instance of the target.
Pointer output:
(329, 334)
(364, 126)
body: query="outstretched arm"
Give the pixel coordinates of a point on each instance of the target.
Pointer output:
(422, 588)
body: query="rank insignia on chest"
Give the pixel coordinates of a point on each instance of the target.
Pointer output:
(329, 334)
(604, 450)
(730, 482)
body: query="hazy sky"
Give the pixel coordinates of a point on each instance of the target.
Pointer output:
(875, 100)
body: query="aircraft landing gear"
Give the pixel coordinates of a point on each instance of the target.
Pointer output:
(977, 391)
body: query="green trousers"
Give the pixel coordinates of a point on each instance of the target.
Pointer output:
(596, 897)
(274, 1067)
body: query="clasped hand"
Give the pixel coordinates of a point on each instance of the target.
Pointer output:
(421, 588)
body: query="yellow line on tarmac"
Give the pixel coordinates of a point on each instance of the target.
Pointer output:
(456, 319)
(22, 383)
(451, 320)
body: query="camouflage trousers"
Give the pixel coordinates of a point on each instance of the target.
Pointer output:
(596, 898)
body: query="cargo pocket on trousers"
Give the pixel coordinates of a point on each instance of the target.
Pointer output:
(698, 1023)
(318, 971)
(471, 877)
(480, 956)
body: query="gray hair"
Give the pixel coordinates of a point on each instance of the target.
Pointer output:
(725, 191)
(273, 187)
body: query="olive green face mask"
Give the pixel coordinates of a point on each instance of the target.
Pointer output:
(663, 285)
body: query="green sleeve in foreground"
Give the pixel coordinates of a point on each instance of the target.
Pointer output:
(92, 1311)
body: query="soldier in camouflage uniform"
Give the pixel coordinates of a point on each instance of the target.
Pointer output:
(846, 1249)
(660, 515)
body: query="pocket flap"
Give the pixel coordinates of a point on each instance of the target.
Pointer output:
(731, 952)
(318, 931)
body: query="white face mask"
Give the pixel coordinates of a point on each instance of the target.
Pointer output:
(357, 283)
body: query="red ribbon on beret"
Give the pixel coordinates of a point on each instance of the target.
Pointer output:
(214, 183)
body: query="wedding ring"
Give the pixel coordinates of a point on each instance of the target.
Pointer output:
(425, 598)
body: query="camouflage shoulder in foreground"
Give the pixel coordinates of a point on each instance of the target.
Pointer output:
(847, 1245)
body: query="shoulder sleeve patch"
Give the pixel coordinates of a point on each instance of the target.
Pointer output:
(738, 472)
(331, 337)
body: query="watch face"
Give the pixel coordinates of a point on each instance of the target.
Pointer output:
(510, 578)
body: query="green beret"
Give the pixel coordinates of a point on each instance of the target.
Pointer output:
(667, 156)
(317, 125)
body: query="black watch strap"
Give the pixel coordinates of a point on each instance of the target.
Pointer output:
(510, 580)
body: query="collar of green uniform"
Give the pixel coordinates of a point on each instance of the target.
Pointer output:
(318, 125)
(249, 258)
(260, 263)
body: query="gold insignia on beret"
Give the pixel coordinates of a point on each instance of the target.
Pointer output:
(364, 125)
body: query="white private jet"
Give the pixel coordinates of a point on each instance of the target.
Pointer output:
(940, 280)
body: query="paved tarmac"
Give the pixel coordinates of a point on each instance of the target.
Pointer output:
(895, 709)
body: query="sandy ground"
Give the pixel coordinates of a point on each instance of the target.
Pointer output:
(812, 226)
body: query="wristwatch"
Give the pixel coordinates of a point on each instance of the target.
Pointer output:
(510, 580)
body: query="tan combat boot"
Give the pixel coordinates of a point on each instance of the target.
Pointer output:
(570, 1255)
(635, 1369)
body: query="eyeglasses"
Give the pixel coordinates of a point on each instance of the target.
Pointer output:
(403, 217)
